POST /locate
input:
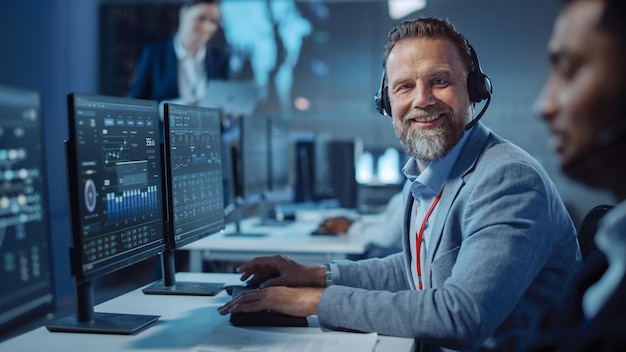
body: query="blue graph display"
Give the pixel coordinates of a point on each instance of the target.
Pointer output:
(131, 203)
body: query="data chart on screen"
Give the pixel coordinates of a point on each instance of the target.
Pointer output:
(26, 266)
(117, 169)
(196, 204)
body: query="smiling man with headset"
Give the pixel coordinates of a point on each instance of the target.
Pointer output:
(487, 241)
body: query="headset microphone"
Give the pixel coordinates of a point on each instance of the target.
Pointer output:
(480, 114)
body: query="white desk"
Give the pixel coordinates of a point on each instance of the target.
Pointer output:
(185, 322)
(293, 240)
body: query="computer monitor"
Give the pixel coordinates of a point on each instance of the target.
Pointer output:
(280, 192)
(378, 173)
(253, 158)
(325, 171)
(251, 167)
(380, 166)
(230, 142)
(116, 200)
(341, 161)
(322, 174)
(195, 203)
(304, 171)
(27, 289)
(280, 157)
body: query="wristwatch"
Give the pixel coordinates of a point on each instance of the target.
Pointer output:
(328, 275)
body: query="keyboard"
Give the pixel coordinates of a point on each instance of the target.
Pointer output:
(267, 318)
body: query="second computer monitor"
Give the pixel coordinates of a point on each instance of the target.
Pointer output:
(253, 163)
(195, 200)
(194, 171)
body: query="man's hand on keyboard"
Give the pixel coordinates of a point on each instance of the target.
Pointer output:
(298, 302)
(282, 271)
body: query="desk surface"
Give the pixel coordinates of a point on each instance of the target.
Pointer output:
(185, 322)
(293, 239)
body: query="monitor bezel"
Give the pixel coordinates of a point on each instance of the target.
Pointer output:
(45, 306)
(77, 259)
(174, 241)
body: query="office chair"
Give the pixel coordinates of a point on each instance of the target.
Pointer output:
(588, 228)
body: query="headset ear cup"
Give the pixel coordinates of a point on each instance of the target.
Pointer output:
(472, 88)
(478, 83)
(378, 102)
(478, 86)
(381, 99)
(377, 105)
(385, 101)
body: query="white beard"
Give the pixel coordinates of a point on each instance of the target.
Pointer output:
(432, 144)
(426, 145)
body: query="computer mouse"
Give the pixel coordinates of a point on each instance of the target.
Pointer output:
(255, 282)
(230, 288)
(251, 284)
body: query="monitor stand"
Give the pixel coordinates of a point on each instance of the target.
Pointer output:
(169, 286)
(88, 321)
(238, 218)
(277, 218)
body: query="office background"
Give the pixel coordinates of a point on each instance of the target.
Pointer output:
(56, 47)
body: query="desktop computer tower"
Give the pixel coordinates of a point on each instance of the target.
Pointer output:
(341, 164)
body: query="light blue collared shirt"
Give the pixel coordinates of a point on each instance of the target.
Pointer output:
(425, 187)
(191, 72)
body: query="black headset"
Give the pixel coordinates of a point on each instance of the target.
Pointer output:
(478, 86)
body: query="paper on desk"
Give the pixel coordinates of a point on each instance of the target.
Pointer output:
(230, 338)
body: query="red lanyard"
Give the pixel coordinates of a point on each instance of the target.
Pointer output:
(418, 241)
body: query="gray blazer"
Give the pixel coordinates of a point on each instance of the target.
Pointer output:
(502, 247)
